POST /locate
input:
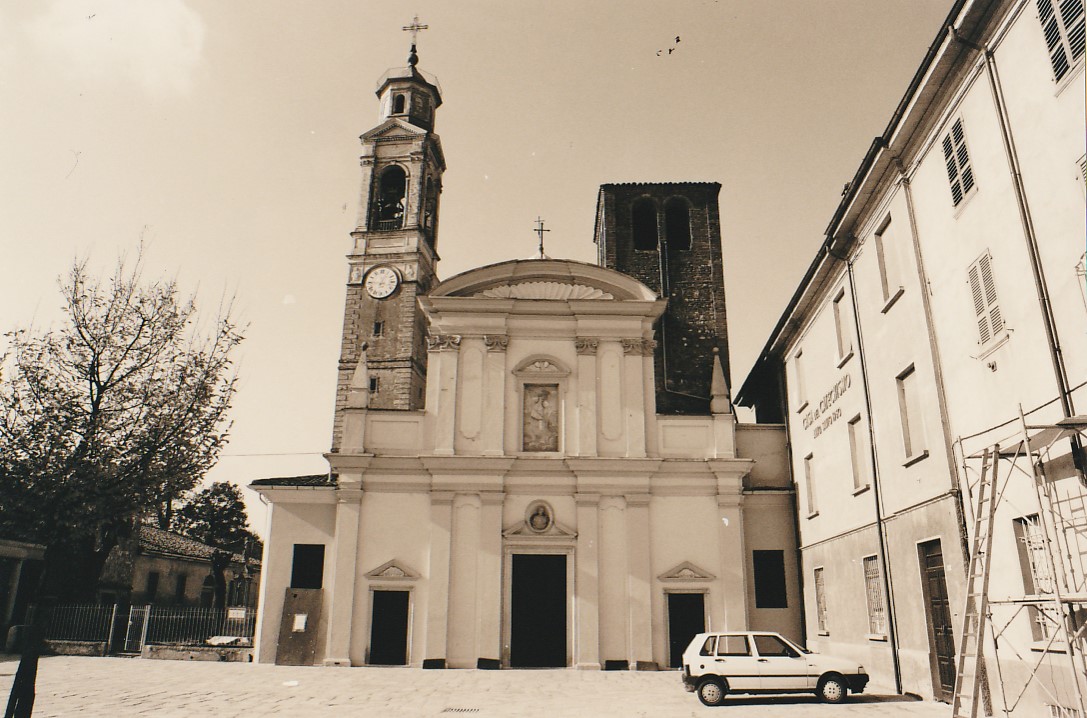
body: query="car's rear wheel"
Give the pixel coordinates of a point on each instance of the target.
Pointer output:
(832, 689)
(711, 692)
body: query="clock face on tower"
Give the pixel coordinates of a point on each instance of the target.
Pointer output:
(381, 282)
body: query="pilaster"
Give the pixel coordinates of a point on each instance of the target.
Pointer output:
(613, 571)
(342, 590)
(733, 574)
(586, 395)
(489, 577)
(443, 357)
(441, 525)
(640, 581)
(494, 391)
(587, 647)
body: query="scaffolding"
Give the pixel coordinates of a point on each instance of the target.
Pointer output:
(1052, 541)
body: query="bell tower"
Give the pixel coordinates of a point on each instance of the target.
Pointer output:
(394, 253)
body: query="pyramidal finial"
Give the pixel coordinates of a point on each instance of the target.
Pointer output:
(719, 401)
(358, 392)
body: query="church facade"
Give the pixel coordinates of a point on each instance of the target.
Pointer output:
(534, 463)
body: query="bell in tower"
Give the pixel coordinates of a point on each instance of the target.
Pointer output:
(394, 256)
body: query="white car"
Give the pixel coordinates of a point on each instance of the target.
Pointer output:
(716, 664)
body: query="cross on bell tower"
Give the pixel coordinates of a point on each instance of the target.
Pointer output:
(394, 254)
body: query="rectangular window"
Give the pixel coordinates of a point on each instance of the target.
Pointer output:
(986, 305)
(858, 453)
(733, 646)
(1034, 563)
(877, 616)
(1062, 24)
(841, 327)
(308, 567)
(909, 407)
(152, 586)
(957, 160)
(379, 329)
(890, 280)
(373, 384)
(769, 579)
(820, 600)
(809, 484)
(798, 373)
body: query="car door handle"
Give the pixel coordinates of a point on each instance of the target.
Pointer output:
(763, 660)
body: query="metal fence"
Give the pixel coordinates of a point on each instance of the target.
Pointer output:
(139, 625)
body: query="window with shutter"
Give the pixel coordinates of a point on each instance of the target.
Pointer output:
(820, 600)
(987, 313)
(1063, 26)
(877, 616)
(957, 159)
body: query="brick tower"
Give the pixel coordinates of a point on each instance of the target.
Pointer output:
(668, 236)
(394, 254)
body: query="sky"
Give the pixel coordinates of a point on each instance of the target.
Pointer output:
(223, 136)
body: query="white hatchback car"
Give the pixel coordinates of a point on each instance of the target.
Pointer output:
(716, 664)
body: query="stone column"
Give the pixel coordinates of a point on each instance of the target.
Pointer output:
(443, 353)
(462, 650)
(441, 524)
(614, 618)
(586, 395)
(494, 393)
(587, 647)
(344, 564)
(489, 580)
(634, 396)
(640, 581)
(733, 575)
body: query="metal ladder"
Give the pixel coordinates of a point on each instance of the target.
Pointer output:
(970, 667)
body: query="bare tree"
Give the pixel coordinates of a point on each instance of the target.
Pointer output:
(108, 417)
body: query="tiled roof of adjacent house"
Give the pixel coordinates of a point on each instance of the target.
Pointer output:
(155, 540)
(308, 480)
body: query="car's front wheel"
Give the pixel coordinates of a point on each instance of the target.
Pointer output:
(832, 689)
(711, 692)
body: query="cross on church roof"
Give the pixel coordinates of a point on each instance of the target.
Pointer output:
(540, 232)
(414, 28)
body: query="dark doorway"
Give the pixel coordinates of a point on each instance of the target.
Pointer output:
(938, 614)
(389, 629)
(686, 618)
(538, 611)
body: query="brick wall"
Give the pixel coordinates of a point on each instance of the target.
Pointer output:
(692, 280)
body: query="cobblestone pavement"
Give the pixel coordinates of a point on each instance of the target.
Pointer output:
(119, 687)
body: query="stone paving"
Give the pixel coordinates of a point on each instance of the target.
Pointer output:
(119, 687)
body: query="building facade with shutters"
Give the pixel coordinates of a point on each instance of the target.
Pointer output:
(504, 491)
(946, 298)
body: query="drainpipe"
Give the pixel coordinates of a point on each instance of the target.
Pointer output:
(881, 528)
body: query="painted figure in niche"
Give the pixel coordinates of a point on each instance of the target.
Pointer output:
(541, 417)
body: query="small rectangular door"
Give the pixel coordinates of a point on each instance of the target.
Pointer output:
(389, 629)
(686, 619)
(938, 613)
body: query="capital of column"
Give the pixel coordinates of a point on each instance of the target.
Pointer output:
(730, 501)
(492, 498)
(638, 499)
(586, 345)
(639, 347)
(443, 342)
(348, 496)
(442, 498)
(587, 499)
(496, 342)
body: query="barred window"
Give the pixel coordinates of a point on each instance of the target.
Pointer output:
(957, 160)
(1063, 25)
(877, 616)
(987, 313)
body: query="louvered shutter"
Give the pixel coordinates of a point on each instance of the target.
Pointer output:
(957, 159)
(1063, 26)
(986, 305)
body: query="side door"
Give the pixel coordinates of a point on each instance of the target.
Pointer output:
(736, 663)
(781, 667)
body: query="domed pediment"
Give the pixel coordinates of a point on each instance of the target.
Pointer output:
(547, 280)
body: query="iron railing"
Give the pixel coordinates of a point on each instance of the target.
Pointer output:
(164, 625)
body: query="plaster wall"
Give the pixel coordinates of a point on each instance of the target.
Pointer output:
(290, 523)
(769, 525)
